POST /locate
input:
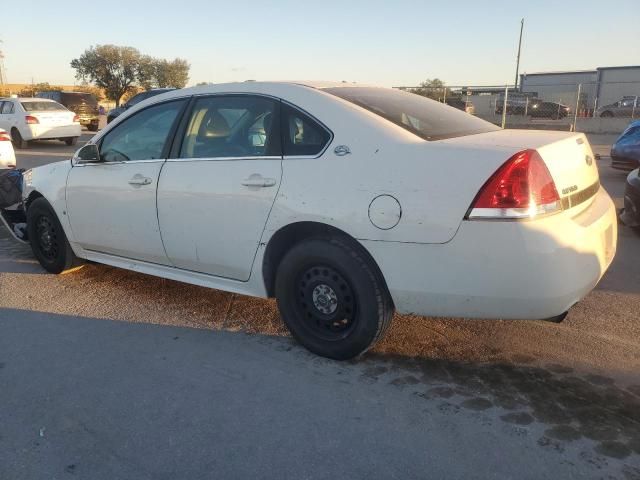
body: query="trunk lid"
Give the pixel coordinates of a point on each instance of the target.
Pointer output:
(54, 118)
(568, 156)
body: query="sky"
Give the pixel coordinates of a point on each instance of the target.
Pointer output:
(388, 43)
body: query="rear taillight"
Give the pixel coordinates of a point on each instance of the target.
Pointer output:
(4, 137)
(521, 188)
(31, 120)
(76, 119)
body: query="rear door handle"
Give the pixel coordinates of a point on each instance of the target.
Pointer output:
(140, 180)
(256, 180)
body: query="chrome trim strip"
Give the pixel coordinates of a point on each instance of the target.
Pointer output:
(222, 159)
(129, 162)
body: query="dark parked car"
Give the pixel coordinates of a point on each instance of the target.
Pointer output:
(631, 213)
(83, 104)
(625, 153)
(543, 109)
(625, 107)
(113, 114)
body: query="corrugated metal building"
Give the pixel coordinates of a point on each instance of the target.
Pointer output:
(601, 86)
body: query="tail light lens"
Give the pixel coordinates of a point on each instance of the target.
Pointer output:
(521, 188)
(76, 119)
(31, 120)
(4, 137)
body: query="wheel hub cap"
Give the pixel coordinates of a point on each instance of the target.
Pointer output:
(325, 299)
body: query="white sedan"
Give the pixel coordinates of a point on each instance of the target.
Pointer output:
(343, 202)
(29, 119)
(7, 154)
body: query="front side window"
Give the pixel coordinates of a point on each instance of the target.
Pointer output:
(301, 134)
(142, 136)
(424, 117)
(232, 126)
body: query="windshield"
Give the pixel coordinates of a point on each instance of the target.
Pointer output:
(426, 118)
(41, 106)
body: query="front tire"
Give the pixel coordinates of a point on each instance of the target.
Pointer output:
(334, 302)
(48, 241)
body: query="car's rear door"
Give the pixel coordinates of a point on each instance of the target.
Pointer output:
(215, 194)
(112, 204)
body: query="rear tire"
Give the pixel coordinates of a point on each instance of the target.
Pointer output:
(17, 139)
(93, 127)
(48, 241)
(71, 141)
(334, 302)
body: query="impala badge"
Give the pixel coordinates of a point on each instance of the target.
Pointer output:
(589, 160)
(341, 150)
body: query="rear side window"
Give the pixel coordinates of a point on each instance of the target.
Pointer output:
(77, 98)
(42, 106)
(7, 108)
(231, 126)
(424, 117)
(301, 135)
(631, 137)
(142, 136)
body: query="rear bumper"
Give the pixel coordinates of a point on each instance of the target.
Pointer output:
(625, 164)
(7, 156)
(493, 269)
(43, 132)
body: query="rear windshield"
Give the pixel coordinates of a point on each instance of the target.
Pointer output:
(41, 106)
(424, 117)
(74, 98)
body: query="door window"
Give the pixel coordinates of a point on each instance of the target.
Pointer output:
(7, 108)
(301, 134)
(143, 136)
(235, 126)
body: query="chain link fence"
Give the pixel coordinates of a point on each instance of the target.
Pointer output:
(590, 107)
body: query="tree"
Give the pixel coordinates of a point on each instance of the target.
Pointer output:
(113, 68)
(120, 70)
(432, 88)
(171, 74)
(31, 90)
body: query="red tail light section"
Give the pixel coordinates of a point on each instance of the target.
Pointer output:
(521, 188)
(5, 137)
(76, 119)
(31, 120)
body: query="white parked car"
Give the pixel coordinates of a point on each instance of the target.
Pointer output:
(29, 119)
(343, 202)
(7, 155)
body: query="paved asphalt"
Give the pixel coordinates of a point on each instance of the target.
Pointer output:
(109, 374)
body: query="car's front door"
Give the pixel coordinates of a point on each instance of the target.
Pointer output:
(112, 203)
(215, 195)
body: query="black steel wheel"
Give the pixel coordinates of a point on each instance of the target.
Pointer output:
(48, 242)
(326, 303)
(332, 297)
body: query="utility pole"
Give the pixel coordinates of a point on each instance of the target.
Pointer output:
(3, 79)
(518, 59)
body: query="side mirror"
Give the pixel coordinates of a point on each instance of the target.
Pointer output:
(87, 154)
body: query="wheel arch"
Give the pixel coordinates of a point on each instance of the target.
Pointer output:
(289, 235)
